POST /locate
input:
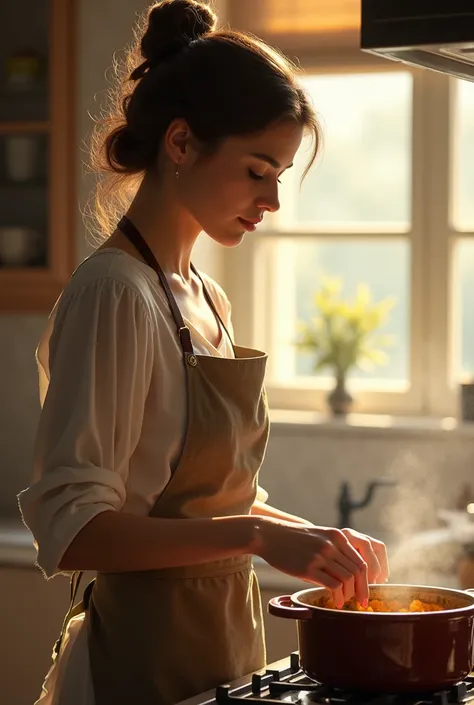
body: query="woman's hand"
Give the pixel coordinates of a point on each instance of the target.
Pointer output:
(343, 561)
(373, 552)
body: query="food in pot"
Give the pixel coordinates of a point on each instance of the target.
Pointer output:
(383, 606)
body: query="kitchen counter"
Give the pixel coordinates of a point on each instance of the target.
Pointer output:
(16, 545)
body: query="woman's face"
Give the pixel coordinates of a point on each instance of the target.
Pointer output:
(229, 192)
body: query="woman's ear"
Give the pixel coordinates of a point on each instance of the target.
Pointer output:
(179, 142)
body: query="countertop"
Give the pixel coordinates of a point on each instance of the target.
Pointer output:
(16, 545)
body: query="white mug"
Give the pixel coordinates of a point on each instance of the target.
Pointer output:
(21, 157)
(18, 246)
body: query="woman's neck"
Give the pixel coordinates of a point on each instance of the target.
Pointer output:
(167, 228)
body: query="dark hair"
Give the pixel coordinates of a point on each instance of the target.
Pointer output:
(222, 82)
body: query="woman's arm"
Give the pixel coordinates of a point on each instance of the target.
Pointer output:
(114, 542)
(262, 509)
(117, 541)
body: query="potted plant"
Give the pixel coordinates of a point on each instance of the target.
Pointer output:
(343, 335)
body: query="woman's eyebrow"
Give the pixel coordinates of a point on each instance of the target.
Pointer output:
(269, 160)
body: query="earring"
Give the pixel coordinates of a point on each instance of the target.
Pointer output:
(177, 171)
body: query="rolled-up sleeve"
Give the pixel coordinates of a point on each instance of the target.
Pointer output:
(98, 373)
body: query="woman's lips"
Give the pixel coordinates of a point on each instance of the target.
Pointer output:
(248, 225)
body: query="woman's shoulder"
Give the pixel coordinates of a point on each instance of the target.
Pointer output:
(113, 265)
(108, 274)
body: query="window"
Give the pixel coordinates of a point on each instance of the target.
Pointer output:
(390, 203)
(366, 120)
(349, 195)
(463, 222)
(463, 201)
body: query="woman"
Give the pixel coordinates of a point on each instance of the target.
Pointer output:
(154, 424)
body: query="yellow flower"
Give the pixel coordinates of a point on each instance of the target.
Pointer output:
(342, 333)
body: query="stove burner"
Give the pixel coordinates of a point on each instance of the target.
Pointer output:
(290, 685)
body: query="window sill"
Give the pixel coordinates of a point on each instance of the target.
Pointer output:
(308, 423)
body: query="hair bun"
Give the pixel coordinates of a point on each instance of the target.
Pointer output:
(173, 25)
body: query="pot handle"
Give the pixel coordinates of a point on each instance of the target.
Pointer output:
(282, 606)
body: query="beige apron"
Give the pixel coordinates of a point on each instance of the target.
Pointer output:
(158, 637)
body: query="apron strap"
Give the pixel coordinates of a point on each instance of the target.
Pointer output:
(133, 235)
(211, 304)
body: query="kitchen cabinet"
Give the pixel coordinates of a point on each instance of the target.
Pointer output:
(37, 193)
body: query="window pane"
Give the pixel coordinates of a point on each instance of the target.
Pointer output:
(464, 296)
(383, 266)
(463, 196)
(363, 174)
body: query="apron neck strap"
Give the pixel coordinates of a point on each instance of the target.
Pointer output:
(133, 235)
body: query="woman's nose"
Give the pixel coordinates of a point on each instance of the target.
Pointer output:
(269, 201)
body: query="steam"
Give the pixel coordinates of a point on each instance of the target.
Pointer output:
(424, 548)
(414, 499)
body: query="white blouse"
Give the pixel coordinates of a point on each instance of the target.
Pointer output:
(112, 425)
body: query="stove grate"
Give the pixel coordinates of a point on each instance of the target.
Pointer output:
(291, 685)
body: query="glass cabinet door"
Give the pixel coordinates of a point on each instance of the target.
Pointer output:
(36, 151)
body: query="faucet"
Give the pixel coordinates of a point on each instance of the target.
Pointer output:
(346, 505)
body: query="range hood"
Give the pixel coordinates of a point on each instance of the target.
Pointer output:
(434, 34)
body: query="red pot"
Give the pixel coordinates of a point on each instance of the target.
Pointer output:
(384, 652)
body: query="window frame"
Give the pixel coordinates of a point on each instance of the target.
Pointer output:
(433, 389)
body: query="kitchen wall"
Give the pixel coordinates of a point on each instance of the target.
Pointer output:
(306, 464)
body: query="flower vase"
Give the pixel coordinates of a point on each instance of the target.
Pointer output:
(339, 400)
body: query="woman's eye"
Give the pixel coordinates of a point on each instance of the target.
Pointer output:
(257, 177)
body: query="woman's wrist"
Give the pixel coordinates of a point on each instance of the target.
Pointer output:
(257, 541)
(266, 510)
(241, 534)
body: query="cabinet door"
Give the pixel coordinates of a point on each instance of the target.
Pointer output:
(37, 85)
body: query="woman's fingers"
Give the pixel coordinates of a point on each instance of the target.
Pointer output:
(355, 562)
(364, 546)
(358, 571)
(322, 578)
(345, 576)
(351, 574)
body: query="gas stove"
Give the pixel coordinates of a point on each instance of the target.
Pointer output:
(285, 682)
